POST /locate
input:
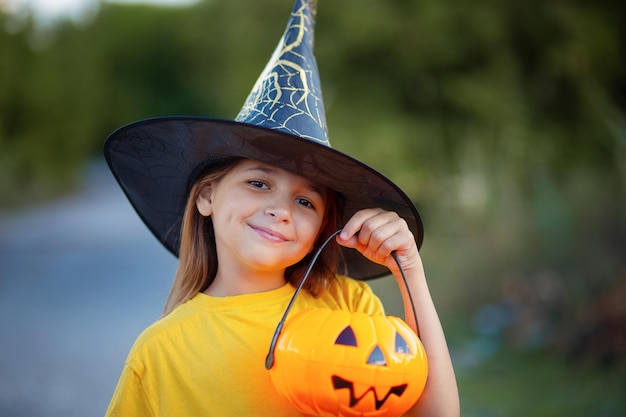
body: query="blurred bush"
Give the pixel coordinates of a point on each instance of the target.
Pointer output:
(503, 120)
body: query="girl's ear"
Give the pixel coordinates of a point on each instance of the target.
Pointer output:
(204, 202)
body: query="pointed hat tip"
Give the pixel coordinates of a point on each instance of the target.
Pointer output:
(288, 96)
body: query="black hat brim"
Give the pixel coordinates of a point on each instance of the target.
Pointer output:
(154, 159)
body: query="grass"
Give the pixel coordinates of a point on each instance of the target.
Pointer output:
(514, 383)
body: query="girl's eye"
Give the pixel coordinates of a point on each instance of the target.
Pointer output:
(258, 184)
(305, 202)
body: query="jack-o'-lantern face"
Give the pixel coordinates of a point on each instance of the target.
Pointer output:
(376, 357)
(332, 362)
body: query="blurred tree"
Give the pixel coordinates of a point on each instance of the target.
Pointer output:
(503, 120)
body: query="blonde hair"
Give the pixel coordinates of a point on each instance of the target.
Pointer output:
(197, 260)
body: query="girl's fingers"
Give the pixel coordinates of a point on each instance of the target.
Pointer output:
(353, 226)
(376, 233)
(357, 232)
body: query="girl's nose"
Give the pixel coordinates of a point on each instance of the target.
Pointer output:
(279, 208)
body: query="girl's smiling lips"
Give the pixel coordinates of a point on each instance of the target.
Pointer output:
(269, 234)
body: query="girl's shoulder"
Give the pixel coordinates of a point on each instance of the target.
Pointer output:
(350, 294)
(163, 329)
(347, 284)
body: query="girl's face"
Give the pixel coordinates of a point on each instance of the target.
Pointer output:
(265, 219)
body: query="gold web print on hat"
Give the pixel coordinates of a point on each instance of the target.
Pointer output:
(287, 96)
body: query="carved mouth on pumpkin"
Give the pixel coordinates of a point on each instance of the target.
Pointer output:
(340, 383)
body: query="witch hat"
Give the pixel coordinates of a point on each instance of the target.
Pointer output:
(282, 123)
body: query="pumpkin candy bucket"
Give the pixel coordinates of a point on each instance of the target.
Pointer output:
(339, 363)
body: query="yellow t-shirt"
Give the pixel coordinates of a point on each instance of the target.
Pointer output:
(207, 357)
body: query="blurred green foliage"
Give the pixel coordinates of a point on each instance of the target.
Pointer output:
(513, 384)
(504, 121)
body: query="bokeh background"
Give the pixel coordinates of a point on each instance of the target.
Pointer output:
(504, 121)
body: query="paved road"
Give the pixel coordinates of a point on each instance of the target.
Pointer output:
(79, 279)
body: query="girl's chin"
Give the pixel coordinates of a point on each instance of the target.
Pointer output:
(272, 259)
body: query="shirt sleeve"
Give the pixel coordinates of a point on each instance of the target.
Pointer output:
(358, 296)
(367, 301)
(129, 398)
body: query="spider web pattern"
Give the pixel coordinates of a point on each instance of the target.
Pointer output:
(287, 96)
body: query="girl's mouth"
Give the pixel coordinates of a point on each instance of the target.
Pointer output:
(269, 234)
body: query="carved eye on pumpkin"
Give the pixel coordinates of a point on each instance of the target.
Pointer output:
(358, 364)
(346, 337)
(401, 345)
(376, 357)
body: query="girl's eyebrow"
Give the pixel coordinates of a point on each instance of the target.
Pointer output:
(271, 171)
(265, 169)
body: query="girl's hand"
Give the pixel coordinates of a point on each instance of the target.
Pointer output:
(376, 233)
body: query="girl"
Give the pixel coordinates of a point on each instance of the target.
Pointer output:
(244, 205)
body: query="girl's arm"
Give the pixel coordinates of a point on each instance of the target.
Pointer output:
(376, 233)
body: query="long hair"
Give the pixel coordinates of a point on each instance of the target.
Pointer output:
(197, 260)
